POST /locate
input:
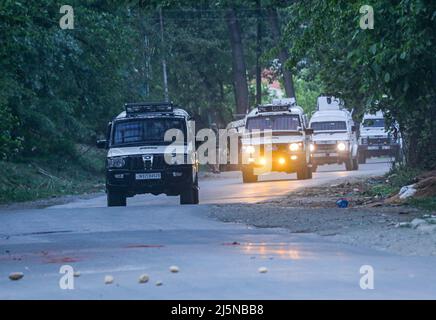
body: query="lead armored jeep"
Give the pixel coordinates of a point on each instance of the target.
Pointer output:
(142, 160)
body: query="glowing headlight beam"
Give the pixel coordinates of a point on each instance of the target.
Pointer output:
(294, 147)
(341, 146)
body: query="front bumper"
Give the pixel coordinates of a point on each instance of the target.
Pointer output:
(379, 150)
(330, 157)
(278, 161)
(174, 179)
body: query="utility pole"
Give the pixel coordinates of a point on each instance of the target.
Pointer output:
(164, 62)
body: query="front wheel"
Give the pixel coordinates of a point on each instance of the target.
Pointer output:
(116, 199)
(349, 164)
(362, 157)
(304, 173)
(355, 164)
(191, 194)
(248, 175)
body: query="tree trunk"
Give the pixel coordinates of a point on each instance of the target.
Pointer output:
(283, 54)
(258, 54)
(238, 63)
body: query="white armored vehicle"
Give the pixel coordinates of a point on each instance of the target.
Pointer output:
(334, 135)
(276, 138)
(376, 141)
(142, 160)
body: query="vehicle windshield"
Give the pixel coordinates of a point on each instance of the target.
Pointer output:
(374, 123)
(329, 126)
(147, 131)
(279, 122)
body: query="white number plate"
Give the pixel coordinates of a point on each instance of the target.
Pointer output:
(148, 176)
(373, 147)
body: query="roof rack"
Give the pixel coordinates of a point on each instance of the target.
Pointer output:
(273, 108)
(149, 107)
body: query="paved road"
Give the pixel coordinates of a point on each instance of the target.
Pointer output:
(229, 189)
(216, 260)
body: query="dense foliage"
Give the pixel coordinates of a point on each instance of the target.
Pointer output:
(60, 87)
(391, 67)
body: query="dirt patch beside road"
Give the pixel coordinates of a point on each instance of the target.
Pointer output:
(367, 222)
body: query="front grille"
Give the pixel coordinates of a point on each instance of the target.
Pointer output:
(137, 163)
(378, 141)
(325, 147)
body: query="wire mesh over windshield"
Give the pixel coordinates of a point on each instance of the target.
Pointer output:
(145, 130)
(374, 123)
(280, 122)
(329, 126)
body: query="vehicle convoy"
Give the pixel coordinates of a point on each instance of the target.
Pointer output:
(376, 141)
(276, 138)
(334, 137)
(141, 159)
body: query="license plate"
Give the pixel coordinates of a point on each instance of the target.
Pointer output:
(148, 176)
(373, 148)
(386, 148)
(322, 155)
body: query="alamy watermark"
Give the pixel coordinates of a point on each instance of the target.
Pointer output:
(367, 17)
(367, 279)
(66, 22)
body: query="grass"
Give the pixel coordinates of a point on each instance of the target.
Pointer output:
(37, 178)
(427, 203)
(394, 181)
(397, 178)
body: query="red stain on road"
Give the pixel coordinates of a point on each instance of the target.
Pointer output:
(62, 260)
(144, 246)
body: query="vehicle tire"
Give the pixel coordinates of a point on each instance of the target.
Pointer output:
(248, 176)
(362, 157)
(116, 199)
(191, 194)
(304, 173)
(349, 164)
(398, 156)
(355, 164)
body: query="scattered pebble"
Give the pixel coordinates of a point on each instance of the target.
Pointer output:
(144, 278)
(263, 270)
(16, 276)
(159, 283)
(174, 269)
(108, 279)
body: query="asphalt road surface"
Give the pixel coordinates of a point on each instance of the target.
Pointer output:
(216, 260)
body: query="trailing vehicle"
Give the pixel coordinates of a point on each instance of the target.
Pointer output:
(276, 138)
(142, 160)
(376, 141)
(334, 138)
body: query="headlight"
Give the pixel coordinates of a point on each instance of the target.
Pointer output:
(312, 147)
(341, 146)
(248, 149)
(118, 162)
(294, 146)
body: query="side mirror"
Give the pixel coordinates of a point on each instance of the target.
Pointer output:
(308, 131)
(102, 144)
